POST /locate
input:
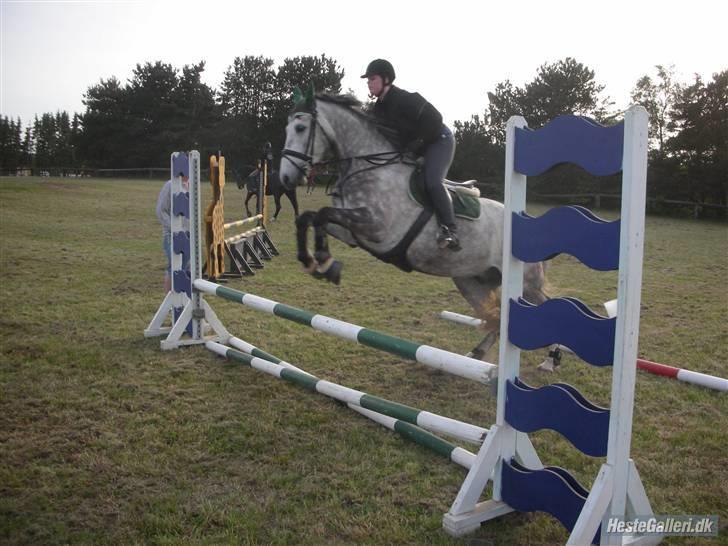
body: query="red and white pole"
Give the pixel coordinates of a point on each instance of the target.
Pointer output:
(696, 378)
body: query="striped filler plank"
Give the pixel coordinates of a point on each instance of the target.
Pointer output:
(243, 222)
(433, 357)
(273, 366)
(236, 238)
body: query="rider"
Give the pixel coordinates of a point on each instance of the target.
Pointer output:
(423, 133)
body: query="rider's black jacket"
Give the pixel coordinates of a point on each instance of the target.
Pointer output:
(416, 120)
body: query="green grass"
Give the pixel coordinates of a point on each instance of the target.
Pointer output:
(105, 439)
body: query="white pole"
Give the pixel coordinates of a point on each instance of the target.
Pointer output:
(461, 319)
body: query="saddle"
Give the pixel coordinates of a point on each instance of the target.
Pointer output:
(466, 188)
(464, 195)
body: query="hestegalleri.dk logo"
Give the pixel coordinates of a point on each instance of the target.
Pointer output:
(666, 525)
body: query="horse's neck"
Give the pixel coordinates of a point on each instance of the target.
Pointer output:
(354, 136)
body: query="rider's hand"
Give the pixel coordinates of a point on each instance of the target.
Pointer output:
(415, 146)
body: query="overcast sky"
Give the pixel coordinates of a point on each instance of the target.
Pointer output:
(452, 52)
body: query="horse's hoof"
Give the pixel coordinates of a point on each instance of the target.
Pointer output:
(547, 365)
(333, 273)
(477, 355)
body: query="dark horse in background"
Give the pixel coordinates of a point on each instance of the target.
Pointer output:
(274, 188)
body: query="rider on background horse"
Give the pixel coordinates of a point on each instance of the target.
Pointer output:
(421, 132)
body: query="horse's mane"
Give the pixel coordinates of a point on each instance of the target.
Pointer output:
(350, 101)
(355, 106)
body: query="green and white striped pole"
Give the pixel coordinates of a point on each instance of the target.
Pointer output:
(456, 454)
(433, 357)
(410, 431)
(406, 414)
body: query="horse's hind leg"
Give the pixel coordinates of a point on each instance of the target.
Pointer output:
(248, 197)
(534, 280)
(480, 293)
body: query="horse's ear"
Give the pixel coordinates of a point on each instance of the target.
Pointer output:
(298, 97)
(310, 94)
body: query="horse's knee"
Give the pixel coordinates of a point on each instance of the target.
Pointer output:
(305, 220)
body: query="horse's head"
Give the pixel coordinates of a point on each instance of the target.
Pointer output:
(330, 129)
(306, 144)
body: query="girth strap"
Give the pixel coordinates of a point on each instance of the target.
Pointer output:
(398, 254)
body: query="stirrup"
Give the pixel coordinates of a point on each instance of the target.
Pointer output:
(447, 239)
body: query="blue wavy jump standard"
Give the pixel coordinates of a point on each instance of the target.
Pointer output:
(570, 139)
(562, 408)
(566, 321)
(550, 489)
(573, 230)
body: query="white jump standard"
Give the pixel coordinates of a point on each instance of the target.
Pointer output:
(617, 490)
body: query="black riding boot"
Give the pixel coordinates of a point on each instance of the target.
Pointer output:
(441, 202)
(447, 238)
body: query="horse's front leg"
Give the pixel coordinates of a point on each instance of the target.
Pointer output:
(326, 268)
(293, 198)
(303, 222)
(277, 199)
(322, 266)
(354, 220)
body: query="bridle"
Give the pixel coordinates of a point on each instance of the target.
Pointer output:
(305, 156)
(375, 161)
(309, 153)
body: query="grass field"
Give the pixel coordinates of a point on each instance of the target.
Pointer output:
(105, 439)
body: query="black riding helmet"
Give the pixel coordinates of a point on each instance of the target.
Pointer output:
(380, 67)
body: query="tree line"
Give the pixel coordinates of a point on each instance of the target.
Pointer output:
(688, 134)
(162, 108)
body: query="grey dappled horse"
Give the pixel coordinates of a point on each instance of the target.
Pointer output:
(372, 209)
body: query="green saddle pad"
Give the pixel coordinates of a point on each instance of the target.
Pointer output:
(465, 206)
